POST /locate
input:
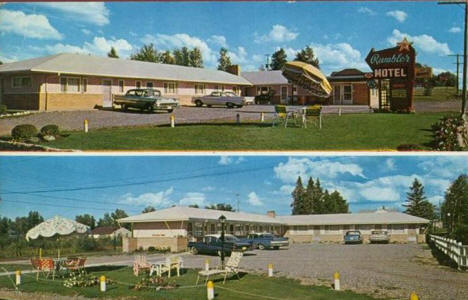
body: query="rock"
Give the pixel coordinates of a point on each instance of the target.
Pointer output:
(48, 138)
(33, 139)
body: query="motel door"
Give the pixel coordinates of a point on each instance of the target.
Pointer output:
(107, 93)
(343, 94)
(337, 94)
(284, 94)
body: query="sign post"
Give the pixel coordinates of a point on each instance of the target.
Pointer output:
(396, 66)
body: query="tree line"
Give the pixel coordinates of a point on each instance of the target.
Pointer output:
(454, 210)
(279, 58)
(313, 199)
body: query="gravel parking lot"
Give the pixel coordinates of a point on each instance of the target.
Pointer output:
(392, 270)
(73, 120)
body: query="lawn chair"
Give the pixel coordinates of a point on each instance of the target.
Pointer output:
(74, 263)
(45, 266)
(312, 113)
(172, 262)
(281, 115)
(232, 266)
(140, 264)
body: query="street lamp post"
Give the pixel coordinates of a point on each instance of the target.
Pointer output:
(222, 220)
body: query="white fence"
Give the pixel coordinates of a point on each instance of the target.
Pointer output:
(453, 249)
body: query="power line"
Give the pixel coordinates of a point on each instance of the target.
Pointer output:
(136, 183)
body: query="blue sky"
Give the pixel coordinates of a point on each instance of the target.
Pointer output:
(341, 33)
(72, 185)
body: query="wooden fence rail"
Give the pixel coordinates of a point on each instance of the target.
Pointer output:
(453, 249)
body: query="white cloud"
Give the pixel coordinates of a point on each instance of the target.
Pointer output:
(99, 46)
(193, 198)
(367, 11)
(455, 29)
(305, 167)
(254, 200)
(423, 42)
(286, 189)
(277, 34)
(218, 40)
(86, 31)
(436, 199)
(399, 15)
(227, 160)
(208, 189)
(178, 40)
(390, 163)
(31, 26)
(159, 199)
(88, 12)
(437, 71)
(239, 56)
(380, 194)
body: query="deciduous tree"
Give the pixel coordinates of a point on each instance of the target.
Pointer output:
(112, 53)
(278, 59)
(307, 55)
(224, 61)
(146, 53)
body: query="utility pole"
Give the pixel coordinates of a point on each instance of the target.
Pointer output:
(458, 72)
(238, 202)
(465, 46)
(267, 66)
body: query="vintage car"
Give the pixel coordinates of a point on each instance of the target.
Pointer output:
(379, 236)
(265, 97)
(212, 244)
(145, 99)
(353, 237)
(267, 241)
(228, 99)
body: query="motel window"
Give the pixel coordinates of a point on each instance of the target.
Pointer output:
(85, 85)
(149, 85)
(347, 92)
(189, 228)
(121, 86)
(70, 84)
(21, 82)
(138, 84)
(263, 90)
(199, 89)
(398, 228)
(170, 88)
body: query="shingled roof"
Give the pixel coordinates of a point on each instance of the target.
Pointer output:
(80, 64)
(265, 77)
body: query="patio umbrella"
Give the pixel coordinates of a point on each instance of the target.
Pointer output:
(307, 77)
(56, 225)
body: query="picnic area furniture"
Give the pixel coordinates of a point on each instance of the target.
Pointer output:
(232, 266)
(282, 115)
(141, 264)
(74, 263)
(312, 114)
(173, 262)
(45, 266)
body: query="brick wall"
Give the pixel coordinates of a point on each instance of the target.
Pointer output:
(360, 94)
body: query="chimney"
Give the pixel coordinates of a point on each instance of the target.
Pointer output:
(271, 213)
(234, 69)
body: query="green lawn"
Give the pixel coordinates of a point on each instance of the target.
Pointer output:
(278, 288)
(438, 94)
(377, 131)
(14, 267)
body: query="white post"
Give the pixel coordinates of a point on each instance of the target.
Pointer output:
(86, 125)
(102, 281)
(262, 117)
(210, 290)
(172, 118)
(207, 264)
(18, 277)
(339, 111)
(270, 270)
(336, 276)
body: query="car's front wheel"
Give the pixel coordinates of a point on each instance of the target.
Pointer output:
(229, 105)
(198, 103)
(194, 251)
(261, 246)
(123, 107)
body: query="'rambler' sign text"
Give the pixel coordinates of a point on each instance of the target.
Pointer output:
(376, 59)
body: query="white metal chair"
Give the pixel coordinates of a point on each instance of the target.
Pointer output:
(232, 266)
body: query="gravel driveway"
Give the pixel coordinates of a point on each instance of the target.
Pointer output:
(73, 120)
(380, 270)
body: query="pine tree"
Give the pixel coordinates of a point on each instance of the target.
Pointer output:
(317, 198)
(178, 57)
(112, 53)
(416, 203)
(196, 58)
(148, 209)
(185, 56)
(146, 53)
(278, 59)
(341, 206)
(454, 209)
(224, 61)
(308, 197)
(167, 58)
(298, 198)
(307, 55)
(328, 203)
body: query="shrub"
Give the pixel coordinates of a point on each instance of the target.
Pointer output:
(3, 109)
(151, 249)
(50, 129)
(428, 91)
(23, 131)
(87, 244)
(450, 134)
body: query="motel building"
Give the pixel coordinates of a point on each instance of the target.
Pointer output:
(80, 82)
(174, 227)
(76, 81)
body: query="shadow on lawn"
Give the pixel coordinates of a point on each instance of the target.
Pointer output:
(251, 124)
(104, 268)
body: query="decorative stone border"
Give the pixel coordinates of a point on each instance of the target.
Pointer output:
(19, 146)
(16, 114)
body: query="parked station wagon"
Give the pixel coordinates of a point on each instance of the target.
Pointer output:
(228, 99)
(379, 236)
(267, 241)
(211, 244)
(145, 99)
(353, 237)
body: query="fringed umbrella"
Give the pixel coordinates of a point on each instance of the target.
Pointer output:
(56, 225)
(307, 77)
